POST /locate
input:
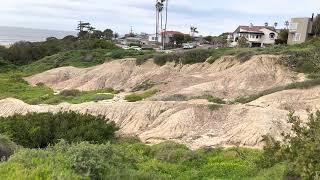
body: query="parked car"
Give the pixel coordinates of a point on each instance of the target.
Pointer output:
(125, 47)
(188, 46)
(137, 48)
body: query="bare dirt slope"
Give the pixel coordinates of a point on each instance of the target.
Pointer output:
(193, 123)
(196, 123)
(225, 78)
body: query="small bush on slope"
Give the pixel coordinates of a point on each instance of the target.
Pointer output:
(40, 130)
(7, 147)
(300, 149)
(140, 96)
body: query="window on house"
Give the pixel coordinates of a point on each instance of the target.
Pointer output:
(297, 37)
(272, 35)
(293, 26)
(257, 37)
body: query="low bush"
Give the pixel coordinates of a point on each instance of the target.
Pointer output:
(40, 130)
(176, 97)
(244, 56)
(195, 56)
(144, 86)
(72, 92)
(7, 147)
(187, 57)
(211, 99)
(101, 97)
(162, 59)
(140, 96)
(299, 149)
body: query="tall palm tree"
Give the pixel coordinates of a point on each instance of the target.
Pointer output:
(159, 8)
(287, 24)
(193, 31)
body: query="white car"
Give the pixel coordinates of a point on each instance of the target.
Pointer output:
(125, 47)
(137, 48)
(188, 46)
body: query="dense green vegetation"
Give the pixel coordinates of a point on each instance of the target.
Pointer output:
(40, 130)
(21, 53)
(91, 151)
(7, 147)
(300, 149)
(134, 160)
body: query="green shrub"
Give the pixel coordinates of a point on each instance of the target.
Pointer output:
(244, 56)
(101, 97)
(144, 86)
(103, 44)
(7, 147)
(300, 148)
(187, 57)
(162, 59)
(195, 56)
(211, 99)
(140, 96)
(176, 97)
(40, 130)
(73, 92)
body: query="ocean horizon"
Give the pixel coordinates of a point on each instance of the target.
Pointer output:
(10, 35)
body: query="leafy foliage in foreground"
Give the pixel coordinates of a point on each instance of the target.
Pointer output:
(7, 147)
(129, 159)
(40, 130)
(300, 149)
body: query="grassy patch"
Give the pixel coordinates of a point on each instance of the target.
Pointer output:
(140, 96)
(12, 85)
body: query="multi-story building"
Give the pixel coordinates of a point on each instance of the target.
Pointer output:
(300, 30)
(257, 36)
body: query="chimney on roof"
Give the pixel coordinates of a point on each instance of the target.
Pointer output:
(251, 25)
(266, 24)
(312, 17)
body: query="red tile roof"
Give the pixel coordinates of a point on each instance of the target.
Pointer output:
(254, 29)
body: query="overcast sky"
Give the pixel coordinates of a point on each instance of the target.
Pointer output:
(210, 16)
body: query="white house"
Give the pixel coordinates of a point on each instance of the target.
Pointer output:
(257, 36)
(168, 37)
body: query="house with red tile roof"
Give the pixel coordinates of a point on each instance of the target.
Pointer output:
(257, 36)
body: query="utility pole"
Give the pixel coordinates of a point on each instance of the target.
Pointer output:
(165, 26)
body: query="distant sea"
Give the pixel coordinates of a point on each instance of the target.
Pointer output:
(10, 35)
